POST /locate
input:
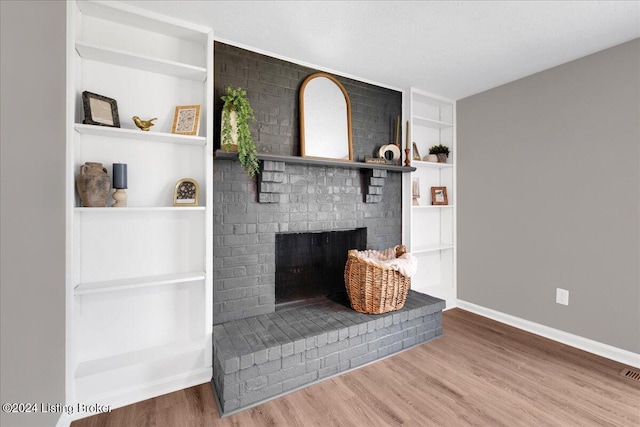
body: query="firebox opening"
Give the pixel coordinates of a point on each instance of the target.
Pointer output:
(310, 265)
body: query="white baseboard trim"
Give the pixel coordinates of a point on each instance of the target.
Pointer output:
(595, 347)
(127, 397)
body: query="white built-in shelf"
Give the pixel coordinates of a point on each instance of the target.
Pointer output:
(430, 248)
(124, 14)
(109, 210)
(432, 100)
(430, 229)
(141, 62)
(146, 356)
(135, 134)
(420, 164)
(430, 123)
(156, 338)
(431, 207)
(137, 282)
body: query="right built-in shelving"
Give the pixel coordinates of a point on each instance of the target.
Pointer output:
(429, 228)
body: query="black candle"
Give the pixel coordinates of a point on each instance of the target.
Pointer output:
(119, 175)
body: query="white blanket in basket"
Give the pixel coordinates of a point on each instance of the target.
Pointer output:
(405, 264)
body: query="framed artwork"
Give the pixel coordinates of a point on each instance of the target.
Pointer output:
(100, 110)
(439, 196)
(416, 153)
(186, 193)
(415, 191)
(186, 120)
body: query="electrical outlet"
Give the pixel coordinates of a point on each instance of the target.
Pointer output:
(562, 296)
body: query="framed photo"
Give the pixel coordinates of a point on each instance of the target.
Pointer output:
(415, 191)
(186, 193)
(100, 110)
(439, 196)
(186, 120)
(416, 153)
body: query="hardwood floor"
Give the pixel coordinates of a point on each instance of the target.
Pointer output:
(481, 373)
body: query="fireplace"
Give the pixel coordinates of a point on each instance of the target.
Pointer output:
(260, 351)
(310, 265)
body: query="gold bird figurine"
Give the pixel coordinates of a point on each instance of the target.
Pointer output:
(143, 124)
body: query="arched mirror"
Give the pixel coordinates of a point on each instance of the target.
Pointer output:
(325, 118)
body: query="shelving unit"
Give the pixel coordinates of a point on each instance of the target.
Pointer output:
(139, 282)
(430, 230)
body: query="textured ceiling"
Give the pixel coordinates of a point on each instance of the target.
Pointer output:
(451, 48)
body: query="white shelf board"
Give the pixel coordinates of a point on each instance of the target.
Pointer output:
(141, 62)
(139, 135)
(423, 164)
(430, 100)
(431, 207)
(137, 282)
(430, 123)
(430, 248)
(144, 19)
(124, 360)
(141, 209)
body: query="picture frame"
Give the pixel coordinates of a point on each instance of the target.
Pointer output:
(439, 196)
(186, 193)
(416, 153)
(100, 110)
(415, 191)
(186, 120)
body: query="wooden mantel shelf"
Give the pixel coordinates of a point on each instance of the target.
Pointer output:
(223, 155)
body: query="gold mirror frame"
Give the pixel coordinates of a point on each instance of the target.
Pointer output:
(309, 145)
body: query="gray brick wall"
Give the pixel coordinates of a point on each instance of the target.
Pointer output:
(310, 198)
(272, 88)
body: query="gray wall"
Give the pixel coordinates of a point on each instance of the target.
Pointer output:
(33, 207)
(549, 196)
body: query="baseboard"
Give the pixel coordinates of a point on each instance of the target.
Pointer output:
(619, 355)
(129, 396)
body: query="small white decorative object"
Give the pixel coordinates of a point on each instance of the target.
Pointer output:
(389, 152)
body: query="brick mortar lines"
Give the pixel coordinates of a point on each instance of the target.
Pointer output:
(315, 326)
(369, 341)
(312, 198)
(317, 199)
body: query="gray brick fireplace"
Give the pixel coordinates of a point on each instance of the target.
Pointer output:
(261, 351)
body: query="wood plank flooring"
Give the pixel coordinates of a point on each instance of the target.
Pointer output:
(480, 373)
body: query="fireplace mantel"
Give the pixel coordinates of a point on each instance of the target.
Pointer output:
(298, 160)
(270, 182)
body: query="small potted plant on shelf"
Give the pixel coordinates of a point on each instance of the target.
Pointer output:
(442, 151)
(235, 133)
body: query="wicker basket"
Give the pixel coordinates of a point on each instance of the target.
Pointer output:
(372, 288)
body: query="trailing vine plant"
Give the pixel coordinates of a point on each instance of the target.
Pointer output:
(236, 100)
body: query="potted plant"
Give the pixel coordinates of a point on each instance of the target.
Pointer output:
(235, 133)
(442, 151)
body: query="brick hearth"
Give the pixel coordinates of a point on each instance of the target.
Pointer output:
(262, 357)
